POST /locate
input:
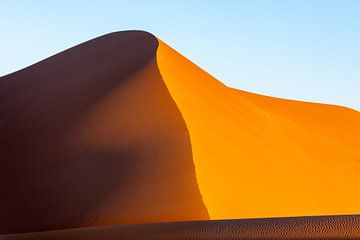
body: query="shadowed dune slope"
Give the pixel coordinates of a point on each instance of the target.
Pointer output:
(330, 227)
(91, 137)
(258, 156)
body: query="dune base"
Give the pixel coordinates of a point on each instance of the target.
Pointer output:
(323, 227)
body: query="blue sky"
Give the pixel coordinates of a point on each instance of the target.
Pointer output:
(305, 50)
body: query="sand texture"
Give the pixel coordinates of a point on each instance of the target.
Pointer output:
(331, 227)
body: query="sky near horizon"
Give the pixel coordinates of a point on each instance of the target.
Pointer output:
(305, 50)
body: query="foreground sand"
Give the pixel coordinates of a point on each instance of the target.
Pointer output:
(122, 129)
(331, 227)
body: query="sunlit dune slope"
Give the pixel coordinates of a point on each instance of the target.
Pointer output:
(258, 156)
(92, 137)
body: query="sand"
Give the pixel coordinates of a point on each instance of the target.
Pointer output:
(331, 227)
(257, 156)
(92, 137)
(123, 129)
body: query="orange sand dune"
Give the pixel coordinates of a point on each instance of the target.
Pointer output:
(123, 129)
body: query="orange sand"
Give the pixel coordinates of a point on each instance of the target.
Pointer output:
(258, 156)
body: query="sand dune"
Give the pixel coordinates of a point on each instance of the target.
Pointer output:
(123, 129)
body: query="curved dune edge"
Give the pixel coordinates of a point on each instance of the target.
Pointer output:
(329, 227)
(257, 156)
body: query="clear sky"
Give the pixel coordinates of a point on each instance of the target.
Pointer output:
(306, 50)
